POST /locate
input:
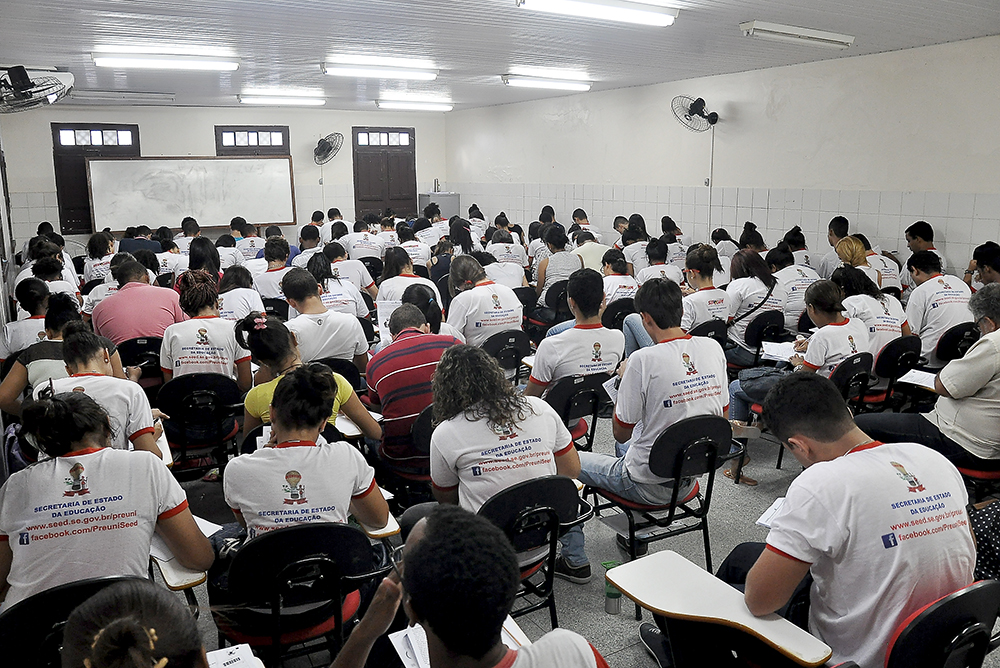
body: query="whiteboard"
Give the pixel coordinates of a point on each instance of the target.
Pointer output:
(162, 191)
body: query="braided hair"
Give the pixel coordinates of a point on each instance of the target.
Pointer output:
(199, 290)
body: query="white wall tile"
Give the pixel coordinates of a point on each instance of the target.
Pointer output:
(760, 198)
(936, 205)
(729, 197)
(744, 197)
(701, 214)
(829, 200)
(961, 205)
(811, 200)
(987, 206)
(866, 223)
(791, 218)
(36, 200)
(793, 198)
(687, 213)
(701, 196)
(984, 229)
(890, 202)
(848, 202)
(957, 230)
(776, 199)
(868, 201)
(912, 205)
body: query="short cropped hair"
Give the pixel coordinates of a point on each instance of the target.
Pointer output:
(806, 404)
(190, 227)
(586, 287)
(926, 261)
(333, 213)
(299, 284)
(839, 226)
(129, 271)
(921, 229)
(317, 217)
(275, 248)
(661, 299)
(304, 397)
(309, 233)
(407, 316)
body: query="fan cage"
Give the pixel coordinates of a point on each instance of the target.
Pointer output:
(38, 95)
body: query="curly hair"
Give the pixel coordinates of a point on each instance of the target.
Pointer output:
(198, 289)
(469, 381)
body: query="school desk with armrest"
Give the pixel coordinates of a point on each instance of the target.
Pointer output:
(707, 621)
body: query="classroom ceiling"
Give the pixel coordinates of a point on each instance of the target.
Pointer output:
(281, 43)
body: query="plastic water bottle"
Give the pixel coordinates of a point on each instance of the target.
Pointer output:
(612, 596)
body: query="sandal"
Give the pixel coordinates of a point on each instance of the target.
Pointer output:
(744, 478)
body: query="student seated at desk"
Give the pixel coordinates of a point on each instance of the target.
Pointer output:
(352, 270)
(397, 275)
(658, 255)
(479, 307)
(100, 250)
(237, 298)
(229, 256)
(337, 294)
(795, 278)
(752, 290)
(310, 245)
(33, 296)
(881, 312)
(204, 256)
(276, 349)
(49, 269)
(268, 284)
(617, 283)
(936, 303)
(461, 576)
(702, 300)
(842, 523)
(419, 252)
(852, 253)
(74, 431)
(322, 333)
(510, 274)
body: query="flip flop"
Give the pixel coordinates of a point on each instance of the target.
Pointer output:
(744, 479)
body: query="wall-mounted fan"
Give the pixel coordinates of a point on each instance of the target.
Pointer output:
(21, 90)
(327, 147)
(691, 113)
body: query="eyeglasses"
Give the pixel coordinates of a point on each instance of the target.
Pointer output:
(979, 323)
(396, 558)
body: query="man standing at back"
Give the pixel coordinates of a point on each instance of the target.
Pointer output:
(836, 231)
(919, 237)
(138, 309)
(881, 527)
(937, 303)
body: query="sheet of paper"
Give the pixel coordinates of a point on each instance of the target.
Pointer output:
(528, 361)
(238, 656)
(159, 549)
(512, 635)
(402, 646)
(386, 494)
(778, 352)
(384, 312)
(264, 437)
(207, 528)
(765, 519)
(416, 639)
(918, 378)
(610, 388)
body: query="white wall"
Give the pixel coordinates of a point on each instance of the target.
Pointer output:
(884, 140)
(181, 131)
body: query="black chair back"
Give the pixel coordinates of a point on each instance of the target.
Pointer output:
(955, 342)
(421, 430)
(143, 352)
(36, 624)
(523, 510)
(527, 296)
(575, 397)
(165, 280)
(373, 265)
(79, 263)
(897, 357)
(369, 302)
(805, 322)
(90, 285)
(852, 375)
(346, 369)
(200, 403)
(422, 271)
(953, 631)
(895, 292)
(369, 328)
(555, 299)
(615, 312)
(766, 326)
(276, 307)
(508, 348)
(691, 447)
(714, 329)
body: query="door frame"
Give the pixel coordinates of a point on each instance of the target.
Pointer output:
(410, 148)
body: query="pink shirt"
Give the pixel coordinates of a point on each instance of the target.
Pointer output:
(137, 310)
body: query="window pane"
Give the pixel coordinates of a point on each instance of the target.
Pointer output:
(110, 138)
(404, 138)
(96, 137)
(252, 137)
(83, 137)
(229, 139)
(264, 138)
(67, 138)
(124, 137)
(362, 139)
(383, 139)
(393, 139)
(242, 139)
(277, 139)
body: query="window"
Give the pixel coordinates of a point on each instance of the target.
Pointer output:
(251, 140)
(383, 138)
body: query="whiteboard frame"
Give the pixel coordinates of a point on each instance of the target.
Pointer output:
(291, 179)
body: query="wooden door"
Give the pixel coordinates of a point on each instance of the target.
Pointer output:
(385, 171)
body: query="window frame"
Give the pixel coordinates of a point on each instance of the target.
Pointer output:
(283, 150)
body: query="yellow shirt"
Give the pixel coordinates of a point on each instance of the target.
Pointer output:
(258, 400)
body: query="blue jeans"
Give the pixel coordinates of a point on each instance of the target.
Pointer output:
(609, 473)
(739, 402)
(636, 336)
(560, 328)
(739, 356)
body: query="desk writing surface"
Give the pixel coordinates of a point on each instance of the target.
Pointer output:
(390, 529)
(668, 584)
(347, 427)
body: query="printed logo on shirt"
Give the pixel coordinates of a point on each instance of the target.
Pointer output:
(911, 480)
(597, 353)
(77, 481)
(477, 471)
(79, 389)
(505, 432)
(889, 540)
(496, 302)
(202, 337)
(336, 271)
(41, 335)
(296, 492)
(23, 538)
(854, 347)
(688, 364)
(802, 274)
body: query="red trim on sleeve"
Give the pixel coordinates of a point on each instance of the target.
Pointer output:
(3, 538)
(785, 554)
(624, 424)
(237, 511)
(443, 489)
(167, 514)
(811, 366)
(147, 430)
(601, 663)
(163, 368)
(371, 488)
(532, 379)
(243, 359)
(560, 453)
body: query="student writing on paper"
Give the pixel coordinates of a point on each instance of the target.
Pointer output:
(463, 620)
(322, 333)
(479, 307)
(352, 270)
(965, 422)
(397, 275)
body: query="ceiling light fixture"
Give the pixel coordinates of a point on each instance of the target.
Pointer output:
(550, 73)
(383, 61)
(552, 84)
(284, 92)
(410, 96)
(397, 105)
(644, 13)
(118, 96)
(275, 100)
(164, 62)
(796, 35)
(374, 72)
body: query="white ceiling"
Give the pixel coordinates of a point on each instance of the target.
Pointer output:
(281, 43)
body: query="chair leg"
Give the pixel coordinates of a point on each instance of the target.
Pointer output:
(552, 610)
(781, 453)
(708, 546)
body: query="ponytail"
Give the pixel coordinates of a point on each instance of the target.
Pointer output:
(423, 298)
(266, 337)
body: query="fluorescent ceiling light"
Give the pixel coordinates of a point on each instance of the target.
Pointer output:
(375, 72)
(168, 50)
(607, 10)
(413, 106)
(284, 92)
(164, 62)
(796, 35)
(113, 96)
(281, 101)
(383, 61)
(553, 84)
(550, 73)
(407, 96)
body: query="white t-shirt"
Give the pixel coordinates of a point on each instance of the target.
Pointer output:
(354, 271)
(344, 297)
(828, 264)
(430, 235)
(509, 253)
(481, 461)
(204, 344)
(746, 293)
(510, 274)
(389, 237)
(291, 483)
(485, 310)
(971, 415)
(935, 306)
(93, 269)
(392, 289)
(183, 243)
(884, 318)
(803, 258)
(124, 400)
(537, 250)
(834, 343)
(665, 383)
(592, 254)
(419, 252)
(906, 280)
(677, 255)
(667, 271)
(582, 350)
(302, 259)
(68, 275)
(330, 334)
(250, 246)
(229, 257)
(325, 230)
(173, 263)
(363, 244)
(268, 284)
(619, 286)
(886, 532)
(887, 269)
(704, 305)
(99, 294)
(238, 303)
(84, 515)
(635, 255)
(256, 267)
(559, 648)
(20, 334)
(796, 279)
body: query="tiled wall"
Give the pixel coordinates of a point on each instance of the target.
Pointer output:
(960, 220)
(29, 209)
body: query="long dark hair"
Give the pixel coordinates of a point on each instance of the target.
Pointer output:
(60, 422)
(396, 260)
(748, 263)
(460, 235)
(423, 298)
(853, 282)
(204, 255)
